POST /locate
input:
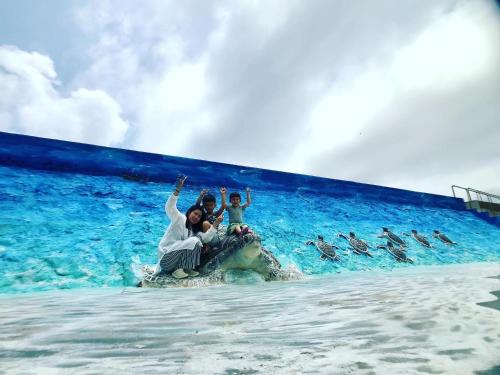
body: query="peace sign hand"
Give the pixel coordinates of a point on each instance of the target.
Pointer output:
(219, 219)
(180, 182)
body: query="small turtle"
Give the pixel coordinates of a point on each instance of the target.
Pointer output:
(420, 239)
(358, 246)
(392, 237)
(327, 251)
(399, 254)
(443, 238)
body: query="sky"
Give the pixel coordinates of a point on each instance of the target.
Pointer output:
(403, 94)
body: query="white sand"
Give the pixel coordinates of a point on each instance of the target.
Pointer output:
(410, 321)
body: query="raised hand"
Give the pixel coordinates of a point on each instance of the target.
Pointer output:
(180, 182)
(223, 190)
(219, 219)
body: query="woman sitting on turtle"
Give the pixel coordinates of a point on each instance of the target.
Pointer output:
(179, 249)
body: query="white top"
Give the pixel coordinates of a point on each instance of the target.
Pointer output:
(177, 236)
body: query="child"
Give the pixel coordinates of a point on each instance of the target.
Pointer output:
(235, 211)
(207, 201)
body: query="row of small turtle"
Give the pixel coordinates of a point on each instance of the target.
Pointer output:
(360, 247)
(395, 239)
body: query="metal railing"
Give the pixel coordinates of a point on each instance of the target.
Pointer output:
(479, 194)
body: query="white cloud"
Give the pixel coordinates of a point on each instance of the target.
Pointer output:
(454, 50)
(153, 62)
(175, 107)
(32, 104)
(413, 118)
(451, 53)
(336, 89)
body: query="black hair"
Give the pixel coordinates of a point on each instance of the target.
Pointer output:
(208, 198)
(198, 227)
(234, 194)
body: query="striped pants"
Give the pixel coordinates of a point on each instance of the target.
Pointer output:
(187, 259)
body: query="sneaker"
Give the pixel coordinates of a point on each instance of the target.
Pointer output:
(179, 274)
(192, 273)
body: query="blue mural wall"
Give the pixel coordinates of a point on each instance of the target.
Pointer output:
(75, 215)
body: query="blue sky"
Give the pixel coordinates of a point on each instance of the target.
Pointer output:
(45, 27)
(391, 93)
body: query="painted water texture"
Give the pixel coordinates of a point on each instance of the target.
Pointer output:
(74, 215)
(77, 222)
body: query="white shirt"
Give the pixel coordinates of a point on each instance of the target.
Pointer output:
(177, 236)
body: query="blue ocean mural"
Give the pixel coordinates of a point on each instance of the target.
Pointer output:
(75, 215)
